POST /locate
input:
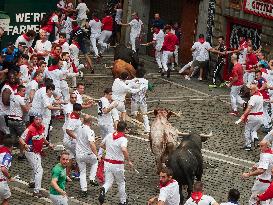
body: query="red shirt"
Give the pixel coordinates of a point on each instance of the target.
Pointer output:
(35, 137)
(251, 60)
(264, 92)
(170, 41)
(107, 22)
(239, 72)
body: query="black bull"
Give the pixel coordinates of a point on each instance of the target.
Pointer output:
(186, 161)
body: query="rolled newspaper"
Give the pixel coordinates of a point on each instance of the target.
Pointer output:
(238, 121)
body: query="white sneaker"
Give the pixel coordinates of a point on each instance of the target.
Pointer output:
(200, 79)
(180, 71)
(81, 74)
(187, 77)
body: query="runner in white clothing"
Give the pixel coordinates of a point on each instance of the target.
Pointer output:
(43, 46)
(27, 38)
(262, 171)
(95, 29)
(169, 190)
(233, 197)
(116, 154)
(82, 10)
(33, 85)
(120, 89)
(136, 27)
(197, 196)
(86, 153)
(138, 100)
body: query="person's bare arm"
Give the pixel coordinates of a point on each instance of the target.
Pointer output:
(93, 148)
(6, 97)
(55, 185)
(70, 133)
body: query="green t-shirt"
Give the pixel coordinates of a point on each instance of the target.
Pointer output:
(58, 172)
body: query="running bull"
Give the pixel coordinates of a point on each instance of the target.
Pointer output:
(186, 160)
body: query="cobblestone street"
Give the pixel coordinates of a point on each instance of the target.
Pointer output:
(202, 110)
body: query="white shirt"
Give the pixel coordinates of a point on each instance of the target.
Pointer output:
(95, 27)
(84, 136)
(170, 194)
(67, 109)
(142, 84)
(46, 113)
(73, 125)
(135, 27)
(82, 9)
(205, 200)
(5, 109)
(104, 118)
(113, 147)
(118, 16)
(56, 76)
(37, 102)
(120, 89)
(42, 47)
(15, 111)
(242, 56)
(159, 39)
(22, 39)
(65, 46)
(79, 97)
(256, 101)
(74, 53)
(32, 85)
(266, 163)
(202, 50)
(24, 74)
(228, 203)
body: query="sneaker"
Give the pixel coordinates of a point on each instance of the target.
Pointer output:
(102, 195)
(38, 195)
(234, 113)
(180, 71)
(200, 79)
(94, 183)
(222, 85)
(172, 69)
(187, 77)
(75, 175)
(92, 71)
(213, 86)
(83, 194)
(124, 203)
(22, 157)
(247, 148)
(31, 185)
(160, 71)
(80, 74)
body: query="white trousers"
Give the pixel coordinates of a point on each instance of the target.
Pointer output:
(235, 98)
(93, 39)
(248, 78)
(4, 191)
(133, 41)
(267, 115)
(65, 90)
(185, 67)
(252, 125)
(158, 58)
(166, 56)
(82, 160)
(142, 106)
(115, 172)
(35, 161)
(258, 188)
(58, 199)
(269, 137)
(103, 39)
(70, 146)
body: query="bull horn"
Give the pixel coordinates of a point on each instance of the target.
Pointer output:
(107, 67)
(183, 133)
(206, 135)
(176, 114)
(149, 112)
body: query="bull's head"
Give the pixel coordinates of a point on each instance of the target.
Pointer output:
(204, 137)
(165, 113)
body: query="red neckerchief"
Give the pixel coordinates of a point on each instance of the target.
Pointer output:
(167, 184)
(269, 151)
(156, 32)
(137, 18)
(74, 115)
(36, 80)
(243, 44)
(4, 149)
(13, 87)
(96, 19)
(263, 70)
(76, 44)
(53, 67)
(75, 28)
(26, 37)
(201, 40)
(118, 135)
(196, 196)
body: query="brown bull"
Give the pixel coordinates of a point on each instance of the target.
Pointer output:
(121, 66)
(163, 137)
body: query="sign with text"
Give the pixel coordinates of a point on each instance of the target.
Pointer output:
(25, 15)
(262, 8)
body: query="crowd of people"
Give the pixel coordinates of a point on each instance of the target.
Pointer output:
(34, 73)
